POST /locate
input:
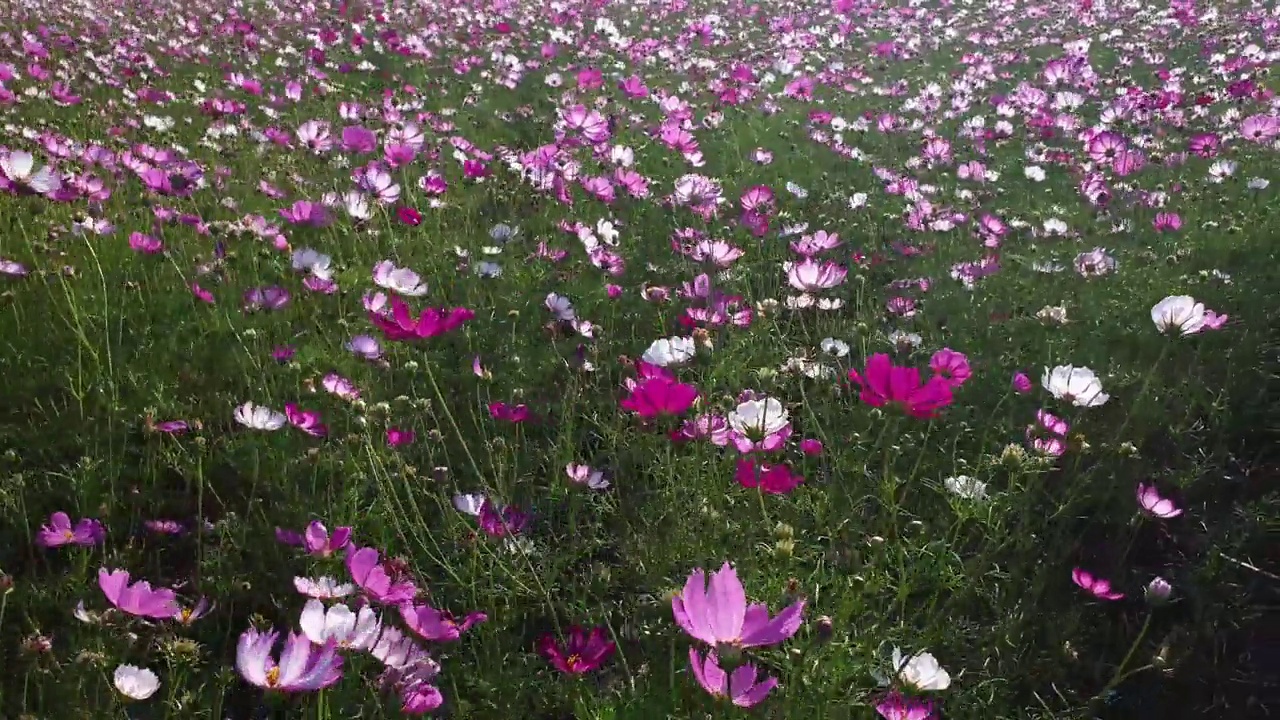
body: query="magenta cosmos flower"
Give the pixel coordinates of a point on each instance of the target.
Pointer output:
(584, 651)
(316, 539)
(719, 614)
(896, 706)
(742, 686)
(883, 383)
(303, 666)
(400, 324)
(660, 396)
(378, 582)
(1151, 502)
(951, 366)
(437, 625)
(138, 599)
(1095, 586)
(61, 532)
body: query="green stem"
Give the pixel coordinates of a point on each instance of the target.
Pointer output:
(1120, 675)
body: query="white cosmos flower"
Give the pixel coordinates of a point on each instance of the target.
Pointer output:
(1077, 385)
(20, 167)
(468, 503)
(313, 261)
(966, 487)
(921, 671)
(136, 683)
(670, 351)
(323, 588)
(397, 279)
(832, 346)
(259, 417)
(351, 630)
(1178, 312)
(759, 418)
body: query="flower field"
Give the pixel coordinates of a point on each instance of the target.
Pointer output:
(592, 360)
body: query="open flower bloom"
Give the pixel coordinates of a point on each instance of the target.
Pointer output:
(188, 615)
(582, 653)
(883, 383)
(896, 706)
(660, 396)
(317, 540)
(921, 671)
(374, 579)
(61, 532)
(348, 630)
(322, 588)
(400, 324)
(437, 625)
(719, 614)
(135, 683)
(1180, 313)
(1095, 586)
(302, 666)
(257, 417)
(139, 598)
(742, 686)
(1077, 385)
(1153, 504)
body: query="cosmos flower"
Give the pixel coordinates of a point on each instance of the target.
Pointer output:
(1077, 385)
(743, 687)
(376, 580)
(884, 383)
(60, 531)
(1178, 313)
(135, 683)
(138, 599)
(339, 624)
(437, 625)
(302, 666)
(719, 615)
(258, 417)
(1155, 505)
(582, 653)
(921, 671)
(660, 396)
(1095, 586)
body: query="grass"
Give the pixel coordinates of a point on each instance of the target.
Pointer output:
(103, 341)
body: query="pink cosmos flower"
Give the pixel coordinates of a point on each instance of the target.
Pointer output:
(810, 275)
(501, 522)
(1095, 586)
(951, 366)
(317, 540)
(1021, 383)
(378, 582)
(742, 687)
(432, 322)
(660, 396)
(303, 666)
(397, 437)
(582, 653)
(139, 598)
(896, 706)
(718, 614)
(772, 479)
(308, 421)
(437, 625)
(1153, 504)
(59, 532)
(883, 383)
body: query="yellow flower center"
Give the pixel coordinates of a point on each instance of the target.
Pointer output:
(273, 676)
(68, 535)
(573, 660)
